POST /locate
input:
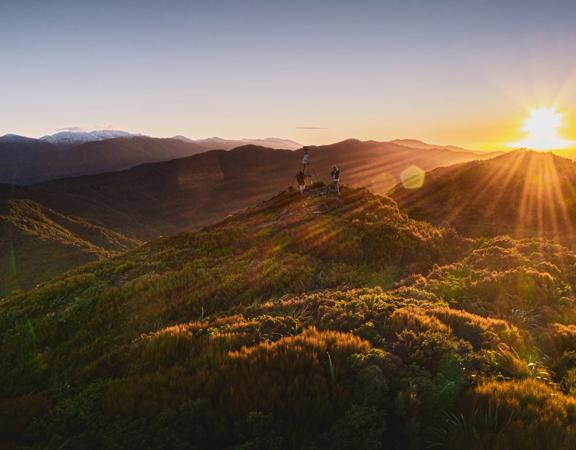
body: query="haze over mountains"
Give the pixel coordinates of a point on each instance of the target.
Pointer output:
(191, 192)
(415, 143)
(25, 160)
(523, 194)
(164, 198)
(228, 144)
(66, 139)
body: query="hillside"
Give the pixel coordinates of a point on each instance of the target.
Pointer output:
(415, 143)
(522, 193)
(18, 151)
(25, 160)
(37, 243)
(216, 143)
(38, 160)
(164, 198)
(307, 322)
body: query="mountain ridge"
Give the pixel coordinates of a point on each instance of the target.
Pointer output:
(26, 160)
(521, 193)
(192, 192)
(217, 143)
(68, 139)
(416, 143)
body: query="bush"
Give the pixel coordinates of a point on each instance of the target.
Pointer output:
(521, 414)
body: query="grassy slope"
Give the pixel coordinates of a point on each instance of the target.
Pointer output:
(311, 321)
(40, 243)
(523, 194)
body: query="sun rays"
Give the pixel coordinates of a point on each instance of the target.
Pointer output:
(523, 194)
(542, 128)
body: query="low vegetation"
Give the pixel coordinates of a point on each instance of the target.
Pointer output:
(308, 322)
(40, 243)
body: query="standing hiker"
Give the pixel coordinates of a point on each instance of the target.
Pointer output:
(301, 179)
(305, 160)
(335, 174)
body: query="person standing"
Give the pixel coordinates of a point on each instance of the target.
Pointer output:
(335, 174)
(301, 179)
(305, 160)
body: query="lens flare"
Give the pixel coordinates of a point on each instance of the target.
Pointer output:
(412, 177)
(541, 128)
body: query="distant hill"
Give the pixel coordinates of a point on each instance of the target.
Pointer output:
(68, 154)
(217, 143)
(168, 197)
(522, 193)
(415, 143)
(65, 154)
(16, 150)
(38, 160)
(308, 321)
(38, 243)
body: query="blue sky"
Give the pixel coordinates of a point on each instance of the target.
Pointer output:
(461, 72)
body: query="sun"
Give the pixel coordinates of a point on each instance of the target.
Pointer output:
(541, 127)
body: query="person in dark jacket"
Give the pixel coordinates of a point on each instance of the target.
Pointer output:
(304, 165)
(301, 179)
(335, 174)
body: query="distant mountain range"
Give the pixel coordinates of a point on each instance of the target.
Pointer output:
(185, 193)
(26, 160)
(415, 143)
(228, 144)
(73, 138)
(75, 220)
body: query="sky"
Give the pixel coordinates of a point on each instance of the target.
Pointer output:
(461, 72)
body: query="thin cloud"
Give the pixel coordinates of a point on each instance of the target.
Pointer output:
(311, 128)
(87, 129)
(75, 129)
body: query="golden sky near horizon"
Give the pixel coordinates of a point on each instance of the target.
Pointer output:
(446, 72)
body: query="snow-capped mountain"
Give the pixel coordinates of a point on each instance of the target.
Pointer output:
(82, 137)
(75, 152)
